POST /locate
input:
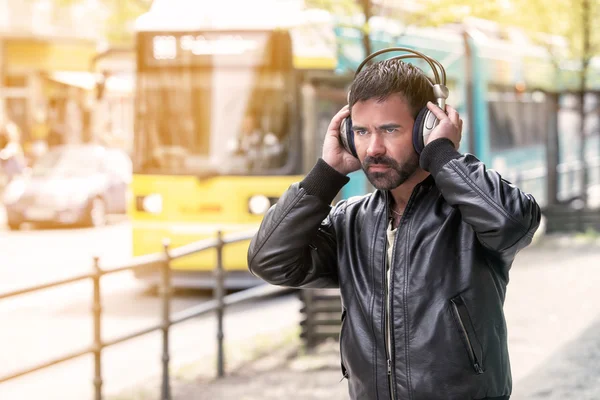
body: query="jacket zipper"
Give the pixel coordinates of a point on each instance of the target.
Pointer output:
(388, 318)
(472, 356)
(388, 307)
(388, 289)
(342, 363)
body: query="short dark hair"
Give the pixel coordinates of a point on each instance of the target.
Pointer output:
(384, 78)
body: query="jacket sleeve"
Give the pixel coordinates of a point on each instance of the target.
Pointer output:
(295, 245)
(503, 217)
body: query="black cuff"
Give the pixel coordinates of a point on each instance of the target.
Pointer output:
(437, 154)
(323, 181)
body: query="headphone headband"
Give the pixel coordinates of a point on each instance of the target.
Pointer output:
(433, 63)
(425, 120)
(440, 90)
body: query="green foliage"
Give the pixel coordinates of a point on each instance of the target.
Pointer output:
(440, 12)
(537, 18)
(122, 14)
(341, 8)
(589, 234)
(337, 7)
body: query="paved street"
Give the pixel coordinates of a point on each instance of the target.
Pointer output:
(553, 316)
(42, 326)
(571, 373)
(33, 256)
(552, 308)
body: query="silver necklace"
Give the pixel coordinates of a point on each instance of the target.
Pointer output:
(396, 212)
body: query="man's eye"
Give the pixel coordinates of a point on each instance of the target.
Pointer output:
(360, 132)
(391, 130)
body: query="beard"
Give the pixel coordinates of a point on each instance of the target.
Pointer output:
(395, 176)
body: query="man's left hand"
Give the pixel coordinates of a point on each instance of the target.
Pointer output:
(450, 126)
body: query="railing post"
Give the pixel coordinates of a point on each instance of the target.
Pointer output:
(165, 293)
(218, 294)
(309, 303)
(97, 317)
(573, 179)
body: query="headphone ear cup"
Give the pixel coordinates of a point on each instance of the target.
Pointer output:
(347, 136)
(418, 143)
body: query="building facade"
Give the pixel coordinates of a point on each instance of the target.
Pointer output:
(43, 48)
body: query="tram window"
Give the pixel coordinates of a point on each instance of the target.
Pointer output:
(190, 122)
(215, 103)
(516, 119)
(569, 115)
(592, 118)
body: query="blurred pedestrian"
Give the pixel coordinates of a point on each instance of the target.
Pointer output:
(12, 157)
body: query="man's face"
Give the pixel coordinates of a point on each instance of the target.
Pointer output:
(383, 140)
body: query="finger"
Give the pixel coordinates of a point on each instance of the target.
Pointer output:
(453, 115)
(438, 112)
(337, 119)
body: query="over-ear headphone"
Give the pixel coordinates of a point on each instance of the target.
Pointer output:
(425, 120)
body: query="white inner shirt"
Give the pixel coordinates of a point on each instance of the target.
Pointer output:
(391, 237)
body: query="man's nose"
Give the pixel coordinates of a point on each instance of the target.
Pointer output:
(376, 146)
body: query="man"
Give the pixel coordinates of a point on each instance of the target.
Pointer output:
(422, 263)
(261, 150)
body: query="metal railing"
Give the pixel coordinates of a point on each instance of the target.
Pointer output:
(566, 168)
(321, 310)
(568, 186)
(163, 262)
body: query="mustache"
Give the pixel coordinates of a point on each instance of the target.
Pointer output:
(381, 160)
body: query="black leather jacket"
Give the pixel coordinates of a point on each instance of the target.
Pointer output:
(455, 244)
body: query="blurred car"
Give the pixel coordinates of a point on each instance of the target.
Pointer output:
(70, 185)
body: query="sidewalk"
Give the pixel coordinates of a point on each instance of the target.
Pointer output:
(282, 374)
(552, 299)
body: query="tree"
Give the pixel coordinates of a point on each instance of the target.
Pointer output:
(572, 21)
(349, 8)
(441, 12)
(544, 23)
(366, 9)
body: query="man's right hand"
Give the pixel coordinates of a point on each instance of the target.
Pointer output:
(334, 153)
